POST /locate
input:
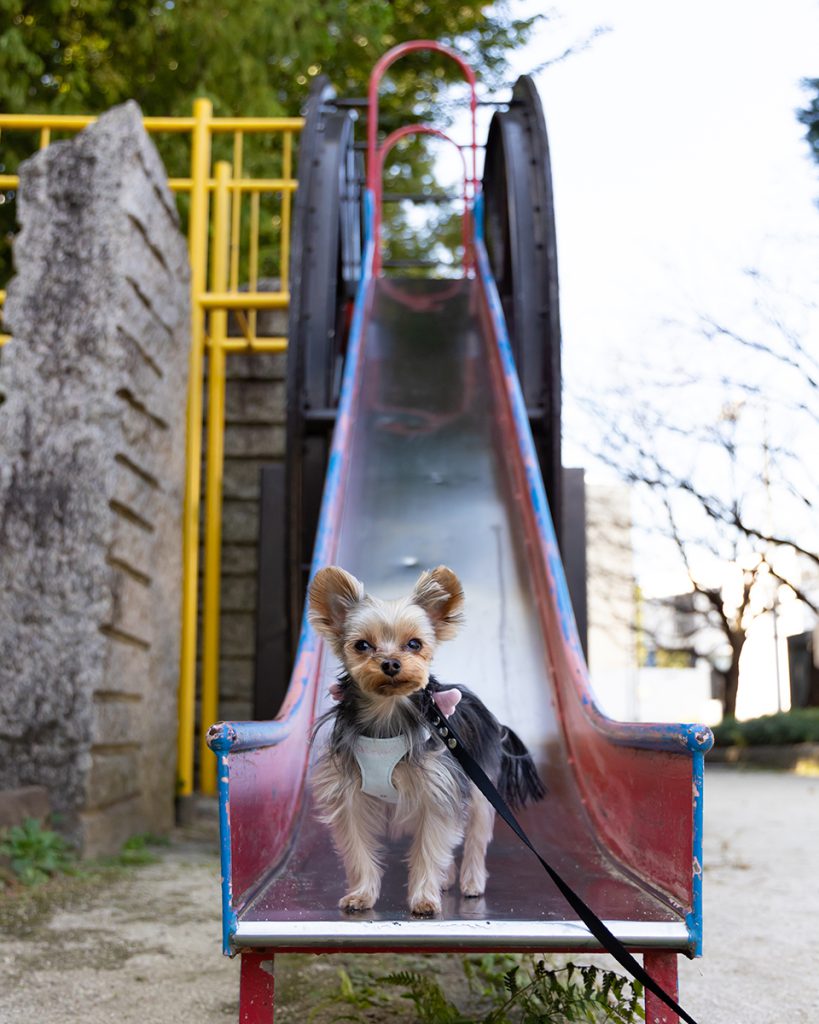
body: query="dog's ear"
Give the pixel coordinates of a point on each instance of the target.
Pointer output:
(440, 594)
(332, 594)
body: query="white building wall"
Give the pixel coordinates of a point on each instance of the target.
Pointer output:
(677, 695)
(612, 606)
(627, 693)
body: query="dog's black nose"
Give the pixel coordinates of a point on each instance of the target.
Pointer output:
(391, 667)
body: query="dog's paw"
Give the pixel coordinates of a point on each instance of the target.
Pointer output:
(449, 877)
(355, 902)
(473, 882)
(471, 891)
(473, 885)
(425, 908)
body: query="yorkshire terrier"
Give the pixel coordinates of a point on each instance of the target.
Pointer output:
(383, 772)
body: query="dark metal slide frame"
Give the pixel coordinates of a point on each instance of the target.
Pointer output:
(522, 248)
(325, 264)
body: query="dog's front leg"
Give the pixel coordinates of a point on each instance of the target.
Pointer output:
(430, 859)
(356, 832)
(438, 830)
(357, 823)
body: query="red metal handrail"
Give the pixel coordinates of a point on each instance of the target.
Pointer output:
(381, 157)
(375, 154)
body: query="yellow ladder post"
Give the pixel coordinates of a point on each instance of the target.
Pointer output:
(287, 201)
(198, 250)
(217, 336)
(236, 212)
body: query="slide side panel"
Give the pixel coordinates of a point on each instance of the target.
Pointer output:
(636, 782)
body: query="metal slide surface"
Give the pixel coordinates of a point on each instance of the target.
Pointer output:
(429, 482)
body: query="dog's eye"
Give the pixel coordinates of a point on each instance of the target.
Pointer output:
(414, 645)
(361, 645)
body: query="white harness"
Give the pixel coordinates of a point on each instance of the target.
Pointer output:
(377, 759)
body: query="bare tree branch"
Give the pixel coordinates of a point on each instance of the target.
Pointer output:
(579, 46)
(798, 591)
(712, 328)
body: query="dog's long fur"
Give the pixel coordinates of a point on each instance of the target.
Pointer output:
(437, 804)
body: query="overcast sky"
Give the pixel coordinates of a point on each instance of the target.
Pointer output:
(678, 164)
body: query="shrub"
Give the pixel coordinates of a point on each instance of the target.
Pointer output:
(801, 725)
(35, 853)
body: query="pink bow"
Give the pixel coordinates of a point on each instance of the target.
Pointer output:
(447, 701)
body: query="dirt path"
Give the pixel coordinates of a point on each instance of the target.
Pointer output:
(141, 948)
(145, 947)
(761, 955)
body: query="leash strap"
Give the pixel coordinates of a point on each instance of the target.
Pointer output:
(603, 934)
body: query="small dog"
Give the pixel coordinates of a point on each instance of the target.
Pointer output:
(383, 771)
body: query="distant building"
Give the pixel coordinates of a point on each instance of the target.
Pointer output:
(651, 658)
(612, 600)
(778, 667)
(643, 657)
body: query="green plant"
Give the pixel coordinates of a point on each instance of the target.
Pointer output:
(568, 994)
(35, 853)
(137, 850)
(513, 990)
(801, 725)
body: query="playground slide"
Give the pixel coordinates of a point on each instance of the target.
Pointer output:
(433, 462)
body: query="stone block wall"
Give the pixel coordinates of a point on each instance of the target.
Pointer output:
(92, 453)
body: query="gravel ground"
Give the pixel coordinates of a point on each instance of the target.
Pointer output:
(760, 962)
(143, 946)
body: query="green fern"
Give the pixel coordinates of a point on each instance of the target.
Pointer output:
(431, 1004)
(526, 991)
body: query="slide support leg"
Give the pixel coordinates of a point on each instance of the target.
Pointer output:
(662, 966)
(256, 988)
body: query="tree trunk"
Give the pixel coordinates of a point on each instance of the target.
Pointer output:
(732, 680)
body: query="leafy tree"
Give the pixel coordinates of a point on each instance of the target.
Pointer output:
(248, 57)
(86, 55)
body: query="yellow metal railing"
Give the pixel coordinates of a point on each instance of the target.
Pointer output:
(215, 244)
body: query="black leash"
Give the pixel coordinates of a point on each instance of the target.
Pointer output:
(603, 935)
